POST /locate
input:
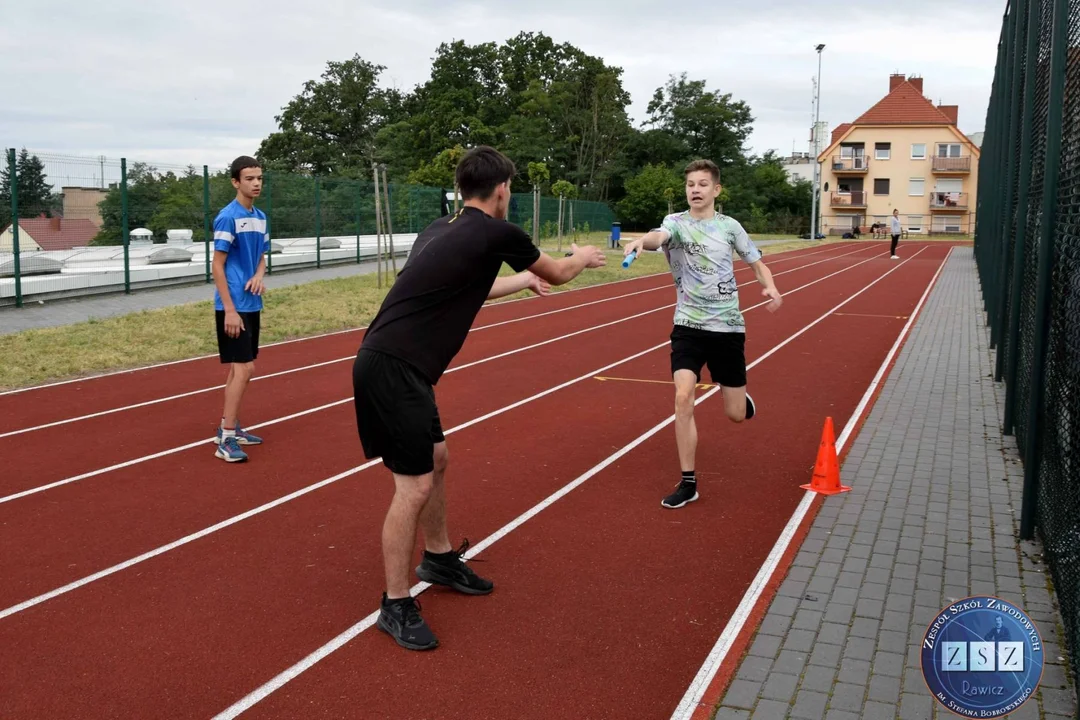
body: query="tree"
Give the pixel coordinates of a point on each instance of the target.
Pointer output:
(647, 196)
(440, 171)
(332, 125)
(713, 126)
(538, 175)
(563, 190)
(36, 197)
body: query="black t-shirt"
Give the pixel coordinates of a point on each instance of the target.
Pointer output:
(426, 316)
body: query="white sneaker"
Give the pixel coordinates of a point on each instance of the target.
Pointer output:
(895, 257)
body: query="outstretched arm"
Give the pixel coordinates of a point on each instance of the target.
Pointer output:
(652, 240)
(504, 286)
(565, 269)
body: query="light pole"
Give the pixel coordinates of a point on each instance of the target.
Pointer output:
(817, 147)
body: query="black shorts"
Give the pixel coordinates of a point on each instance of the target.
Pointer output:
(396, 414)
(245, 347)
(723, 352)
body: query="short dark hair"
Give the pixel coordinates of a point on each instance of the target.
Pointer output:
(243, 163)
(480, 170)
(707, 165)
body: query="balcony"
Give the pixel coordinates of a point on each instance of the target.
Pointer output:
(855, 199)
(952, 165)
(850, 165)
(949, 201)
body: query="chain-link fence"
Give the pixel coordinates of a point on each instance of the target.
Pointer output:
(1027, 246)
(93, 224)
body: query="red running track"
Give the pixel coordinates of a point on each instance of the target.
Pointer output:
(77, 509)
(599, 606)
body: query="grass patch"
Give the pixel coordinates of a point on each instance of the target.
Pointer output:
(183, 331)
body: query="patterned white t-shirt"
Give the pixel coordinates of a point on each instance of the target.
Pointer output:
(700, 255)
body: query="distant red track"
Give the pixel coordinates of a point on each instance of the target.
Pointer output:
(605, 603)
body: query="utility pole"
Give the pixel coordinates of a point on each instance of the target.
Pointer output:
(817, 148)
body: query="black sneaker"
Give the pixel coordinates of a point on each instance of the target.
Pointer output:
(400, 619)
(751, 410)
(685, 493)
(450, 570)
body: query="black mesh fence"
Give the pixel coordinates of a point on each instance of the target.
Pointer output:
(1027, 246)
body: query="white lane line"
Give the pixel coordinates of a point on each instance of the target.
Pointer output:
(791, 255)
(302, 368)
(280, 680)
(303, 491)
(281, 373)
(692, 698)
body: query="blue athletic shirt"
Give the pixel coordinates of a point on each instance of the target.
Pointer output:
(242, 234)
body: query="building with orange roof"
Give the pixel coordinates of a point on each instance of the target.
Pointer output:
(49, 233)
(904, 153)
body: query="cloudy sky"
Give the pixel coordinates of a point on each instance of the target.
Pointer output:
(200, 82)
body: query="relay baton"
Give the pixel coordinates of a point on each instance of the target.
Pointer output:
(629, 259)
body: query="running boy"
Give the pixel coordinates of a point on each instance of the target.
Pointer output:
(240, 244)
(451, 270)
(708, 327)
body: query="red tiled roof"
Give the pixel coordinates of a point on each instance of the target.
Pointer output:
(904, 105)
(57, 233)
(839, 132)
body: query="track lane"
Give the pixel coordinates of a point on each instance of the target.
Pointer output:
(145, 592)
(113, 441)
(606, 579)
(50, 403)
(126, 497)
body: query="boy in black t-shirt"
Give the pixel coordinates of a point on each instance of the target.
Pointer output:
(451, 270)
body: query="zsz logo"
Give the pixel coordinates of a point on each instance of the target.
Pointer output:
(982, 657)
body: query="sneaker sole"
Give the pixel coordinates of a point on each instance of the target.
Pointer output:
(682, 504)
(436, 580)
(239, 441)
(226, 458)
(404, 643)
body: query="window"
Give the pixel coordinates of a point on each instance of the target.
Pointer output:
(918, 151)
(914, 223)
(881, 186)
(882, 151)
(916, 187)
(946, 224)
(948, 150)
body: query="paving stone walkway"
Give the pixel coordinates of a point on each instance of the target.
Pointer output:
(933, 517)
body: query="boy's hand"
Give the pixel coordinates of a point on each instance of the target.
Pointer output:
(539, 286)
(233, 323)
(593, 256)
(255, 285)
(634, 246)
(774, 295)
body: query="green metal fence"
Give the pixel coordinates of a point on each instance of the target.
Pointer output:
(1027, 247)
(92, 224)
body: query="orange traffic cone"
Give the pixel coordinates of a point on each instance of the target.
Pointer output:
(826, 480)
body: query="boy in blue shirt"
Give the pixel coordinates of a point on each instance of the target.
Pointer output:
(240, 244)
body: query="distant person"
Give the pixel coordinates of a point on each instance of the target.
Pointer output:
(896, 230)
(240, 246)
(445, 204)
(452, 269)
